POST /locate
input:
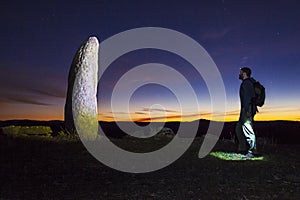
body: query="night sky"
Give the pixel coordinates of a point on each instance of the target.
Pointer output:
(38, 41)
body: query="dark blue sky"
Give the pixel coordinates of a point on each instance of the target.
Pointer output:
(39, 39)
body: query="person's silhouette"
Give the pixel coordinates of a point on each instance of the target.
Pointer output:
(244, 127)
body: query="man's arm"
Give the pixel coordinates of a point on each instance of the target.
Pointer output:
(249, 93)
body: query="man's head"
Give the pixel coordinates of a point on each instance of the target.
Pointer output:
(245, 72)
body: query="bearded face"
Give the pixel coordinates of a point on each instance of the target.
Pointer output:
(241, 75)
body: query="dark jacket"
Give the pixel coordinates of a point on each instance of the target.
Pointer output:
(247, 93)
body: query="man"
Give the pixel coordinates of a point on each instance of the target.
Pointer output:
(244, 128)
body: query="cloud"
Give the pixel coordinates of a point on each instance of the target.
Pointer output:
(24, 95)
(116, 116)
(25, 100)
(18, 78)
(50, 92)
(140, 113)
(167, 118)
(143, 115)
(244, 60)
(22, 90)
(233, 113)
(213, 35)
(106, 118)
(39, 89)
(115, 113)
(157, 110)
(274, 110)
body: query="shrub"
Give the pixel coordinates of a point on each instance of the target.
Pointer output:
(24, 131)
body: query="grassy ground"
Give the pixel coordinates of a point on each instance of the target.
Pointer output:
(63, 169)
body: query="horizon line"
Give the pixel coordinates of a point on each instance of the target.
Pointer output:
(202, 119)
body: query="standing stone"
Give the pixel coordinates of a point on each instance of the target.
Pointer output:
(81, 114)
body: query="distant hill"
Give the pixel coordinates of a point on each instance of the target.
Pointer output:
(282, 132)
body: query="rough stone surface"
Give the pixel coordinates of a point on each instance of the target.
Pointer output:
(81, 102)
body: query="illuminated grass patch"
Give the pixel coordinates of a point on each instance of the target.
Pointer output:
(25, 131)
(232, 156)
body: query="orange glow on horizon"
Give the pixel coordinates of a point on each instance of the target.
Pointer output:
(227, 118)
(173, 119)
(54, 113)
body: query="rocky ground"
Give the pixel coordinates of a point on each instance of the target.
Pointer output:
(35, 168)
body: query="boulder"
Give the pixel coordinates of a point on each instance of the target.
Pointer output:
(165, 131)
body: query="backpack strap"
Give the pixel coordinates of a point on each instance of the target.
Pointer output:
(253, 106)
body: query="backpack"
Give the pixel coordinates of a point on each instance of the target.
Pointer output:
(260, 93)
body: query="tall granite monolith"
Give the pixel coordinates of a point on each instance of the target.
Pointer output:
(81, 114)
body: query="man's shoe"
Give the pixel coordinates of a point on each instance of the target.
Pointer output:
(249, 155)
